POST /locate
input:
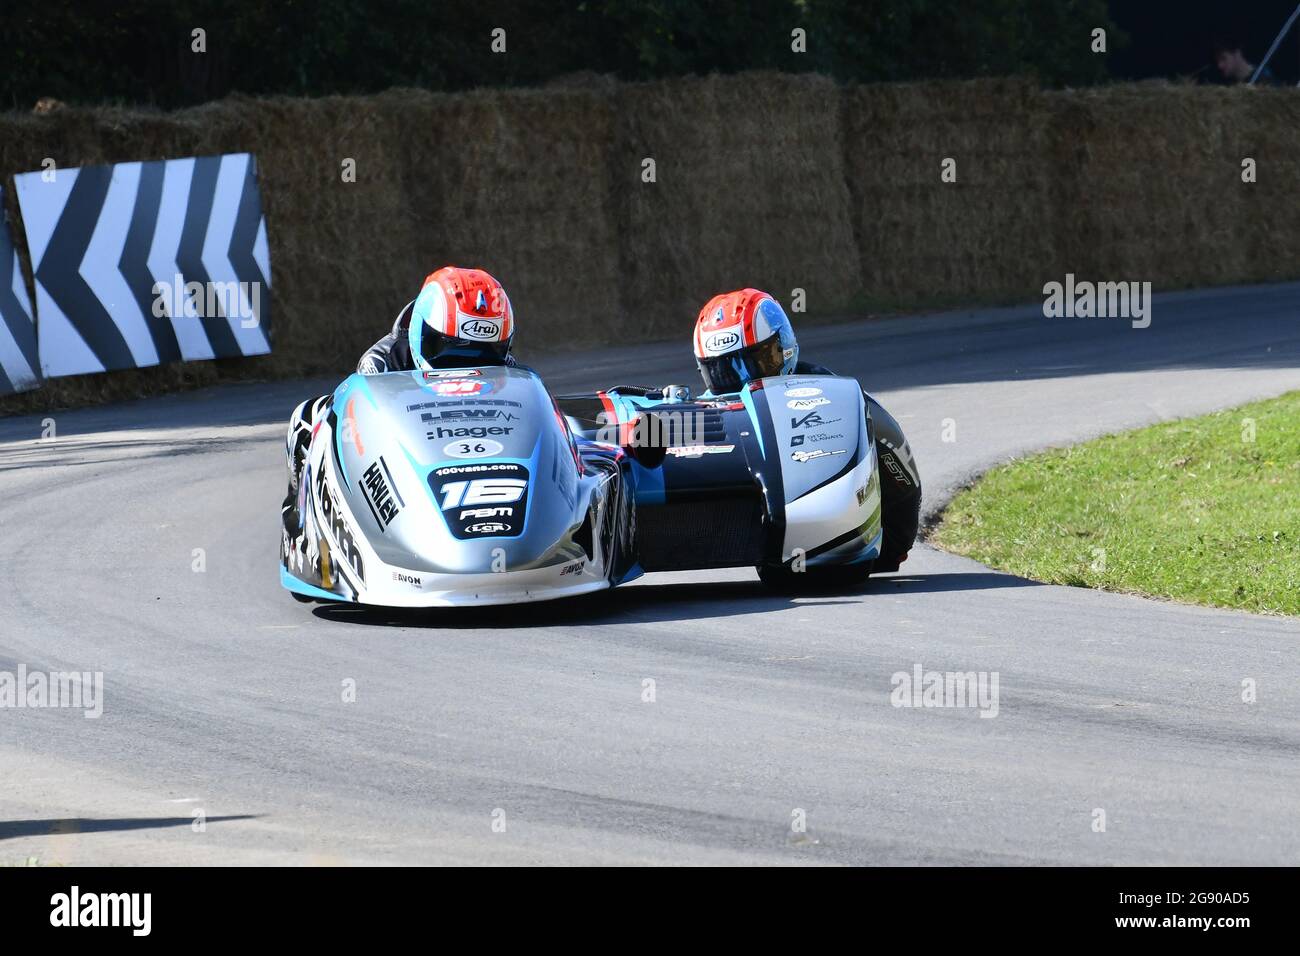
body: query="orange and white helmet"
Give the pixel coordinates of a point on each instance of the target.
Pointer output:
(465, 309)
(742, 336)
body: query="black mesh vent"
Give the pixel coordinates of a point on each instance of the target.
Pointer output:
(707, 533)
(692, 425)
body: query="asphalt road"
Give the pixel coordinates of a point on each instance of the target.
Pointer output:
(222, 695)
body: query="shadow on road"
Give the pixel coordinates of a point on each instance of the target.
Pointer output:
(655, 603)
(952, 581)
(13, 829)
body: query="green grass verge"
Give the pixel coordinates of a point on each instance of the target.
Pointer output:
(1205, 510)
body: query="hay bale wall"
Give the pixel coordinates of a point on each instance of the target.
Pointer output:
(922, 239)
(778, 181)
(750, 190)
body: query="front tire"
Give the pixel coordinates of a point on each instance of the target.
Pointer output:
(900, 519)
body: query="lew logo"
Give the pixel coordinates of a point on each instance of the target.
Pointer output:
(480, 329)
(721, 341)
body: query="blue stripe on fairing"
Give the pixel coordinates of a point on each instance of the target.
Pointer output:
(872, 550)
(632, 574)
(532, 466)
(361, 385)
(292, 583)
(340, 404)
(649, 484)
(747, 399)
(355, 382)
(415, 339)
(338, 453)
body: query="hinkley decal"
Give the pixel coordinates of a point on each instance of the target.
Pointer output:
(378, 489)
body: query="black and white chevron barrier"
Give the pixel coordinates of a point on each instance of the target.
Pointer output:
(19, 368)
(142, 263)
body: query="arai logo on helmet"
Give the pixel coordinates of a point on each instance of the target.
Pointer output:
(802, 392)
(480, 329)
(723, 341)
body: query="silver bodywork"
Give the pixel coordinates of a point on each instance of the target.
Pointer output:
(829, 469)
(450, 488)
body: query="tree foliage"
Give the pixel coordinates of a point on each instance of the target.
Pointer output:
(141, 51)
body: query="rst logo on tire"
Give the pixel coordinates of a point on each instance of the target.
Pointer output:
(469, 494)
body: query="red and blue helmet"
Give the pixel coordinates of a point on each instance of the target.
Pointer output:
(742, 336)
(465, 309)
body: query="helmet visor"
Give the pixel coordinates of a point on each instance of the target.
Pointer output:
(727, 373)
(439, 350)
